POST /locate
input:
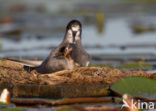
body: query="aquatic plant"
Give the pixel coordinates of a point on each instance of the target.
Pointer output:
(135, 86)
(141, 65)
(0, 44)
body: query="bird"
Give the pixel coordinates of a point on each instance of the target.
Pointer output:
(78, 54)
(61, 61)
(54, 62)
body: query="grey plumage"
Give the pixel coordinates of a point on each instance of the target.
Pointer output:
(55, 63)
(79, 55)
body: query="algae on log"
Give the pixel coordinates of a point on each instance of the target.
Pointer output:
(59, 91)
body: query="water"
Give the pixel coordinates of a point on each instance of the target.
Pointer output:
(117, 33)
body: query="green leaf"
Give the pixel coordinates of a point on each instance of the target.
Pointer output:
(5, 104)
(136, 86)
(13, 109)
(65, 108)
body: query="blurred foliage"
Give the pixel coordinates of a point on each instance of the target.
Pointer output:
(140, 65)
(140, 29)
(0, 44)
(100, 19)
(100, 65)
(13, 109)
(4, 104)
(9, 107)
(142, 1)
(65, 108)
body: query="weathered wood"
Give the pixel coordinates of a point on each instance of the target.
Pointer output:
(23, 101)
(58, 91)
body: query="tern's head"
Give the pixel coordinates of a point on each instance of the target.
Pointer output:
(74, 25)
(73, 31)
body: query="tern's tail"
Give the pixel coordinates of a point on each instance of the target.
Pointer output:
(28, 68)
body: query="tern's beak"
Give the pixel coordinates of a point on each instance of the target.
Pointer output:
(68, 52)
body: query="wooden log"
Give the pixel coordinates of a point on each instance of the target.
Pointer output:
(58, 91)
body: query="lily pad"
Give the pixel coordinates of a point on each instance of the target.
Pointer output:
(136, 86)
(6, 105)
(13, 109)
(66, 108)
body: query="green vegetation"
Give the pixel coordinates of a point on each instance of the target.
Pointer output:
(135, 86)
(100, 65)
(141, 65)
(142, 1)
(9, 107)
(13, 109)
(100, 19)
(0, 44)
(65, 108)
(140, 29)
(4, 104)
